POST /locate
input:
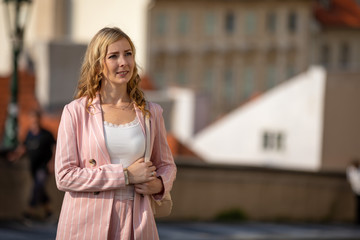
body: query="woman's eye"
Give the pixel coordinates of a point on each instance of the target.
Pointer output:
(128, 54)
(112, 56)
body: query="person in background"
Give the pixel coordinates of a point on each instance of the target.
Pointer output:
(39, 146)
(101, 143)
(353, 176)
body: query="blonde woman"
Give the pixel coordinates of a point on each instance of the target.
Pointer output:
(100, 148)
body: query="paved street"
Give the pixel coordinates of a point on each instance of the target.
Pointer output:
(202, 231)
(252, 231)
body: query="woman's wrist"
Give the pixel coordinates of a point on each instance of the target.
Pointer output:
(126, 174)
(162, 186)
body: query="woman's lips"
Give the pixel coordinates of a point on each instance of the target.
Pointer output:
(122, 73)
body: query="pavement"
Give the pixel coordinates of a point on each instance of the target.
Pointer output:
(256, 231)
(15, 230)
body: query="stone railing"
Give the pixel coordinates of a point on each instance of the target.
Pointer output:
(202, 191)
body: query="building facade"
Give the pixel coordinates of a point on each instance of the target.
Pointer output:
(233, 51)
(229, 50)
(336, 44)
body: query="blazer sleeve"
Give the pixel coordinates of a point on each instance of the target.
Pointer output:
(68, 173)
(161, 155)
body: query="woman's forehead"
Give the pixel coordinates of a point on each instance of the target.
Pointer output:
(119, 45)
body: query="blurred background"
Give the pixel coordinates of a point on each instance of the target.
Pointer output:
(260, 97)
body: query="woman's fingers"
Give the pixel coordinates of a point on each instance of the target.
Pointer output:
(149, 164)
(152, 187)
(142, 188)
(141, 171)
(152, 169)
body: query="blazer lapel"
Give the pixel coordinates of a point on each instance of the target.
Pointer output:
(98, 127)
(140, 116)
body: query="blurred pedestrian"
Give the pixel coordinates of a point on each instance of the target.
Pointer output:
(39, 146)
(353, 176)
(99, 159)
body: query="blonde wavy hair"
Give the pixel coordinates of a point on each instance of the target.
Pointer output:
(92, 68)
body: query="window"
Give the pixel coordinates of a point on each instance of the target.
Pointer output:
(183, 23)
(270, 76)
(210, 23)
(160, 79)
(229, 88)
(181, 77)
(292, 22)
(267, 141)
(230, 22)
(249, 79)
(280, 141)
(290, 71)
(273, 141)
(209, 80)
(159, 71)
(160, 24)
(250, 23)
(325, 55)
(344, 55)
(271, 22)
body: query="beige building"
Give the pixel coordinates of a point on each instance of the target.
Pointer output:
(337, 49)
(57, 33)
(230, 50)
(235, 50)
(336, 43)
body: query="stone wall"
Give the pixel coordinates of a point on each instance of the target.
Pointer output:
(202, 191)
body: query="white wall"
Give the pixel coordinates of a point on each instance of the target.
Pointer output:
(89, 16)
(38, 27)
(182, 119)
(294, 108)
(5, 47)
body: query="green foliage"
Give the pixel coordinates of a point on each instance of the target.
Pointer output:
(231, 215)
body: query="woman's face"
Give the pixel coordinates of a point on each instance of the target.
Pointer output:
(119, 63)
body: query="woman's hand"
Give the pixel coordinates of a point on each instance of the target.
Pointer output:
(153, 187)
(141, 172)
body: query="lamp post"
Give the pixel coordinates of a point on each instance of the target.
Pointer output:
(16, 16)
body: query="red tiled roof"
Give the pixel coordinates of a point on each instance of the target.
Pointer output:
(146, 83)
(341, 13)
(27, 102)
(179, 149)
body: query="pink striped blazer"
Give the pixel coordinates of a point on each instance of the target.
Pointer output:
(84, 171)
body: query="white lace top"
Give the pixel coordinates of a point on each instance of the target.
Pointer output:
(125, 144)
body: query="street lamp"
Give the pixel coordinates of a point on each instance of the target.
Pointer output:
(16, 12)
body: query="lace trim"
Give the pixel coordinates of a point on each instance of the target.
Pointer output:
(125, 125)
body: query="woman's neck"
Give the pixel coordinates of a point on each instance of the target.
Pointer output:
(114, 95)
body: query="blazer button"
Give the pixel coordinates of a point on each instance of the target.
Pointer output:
(92, 162)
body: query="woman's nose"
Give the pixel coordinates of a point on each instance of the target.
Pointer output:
(122, 61)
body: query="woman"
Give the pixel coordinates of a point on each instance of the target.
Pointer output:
(100, 148)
